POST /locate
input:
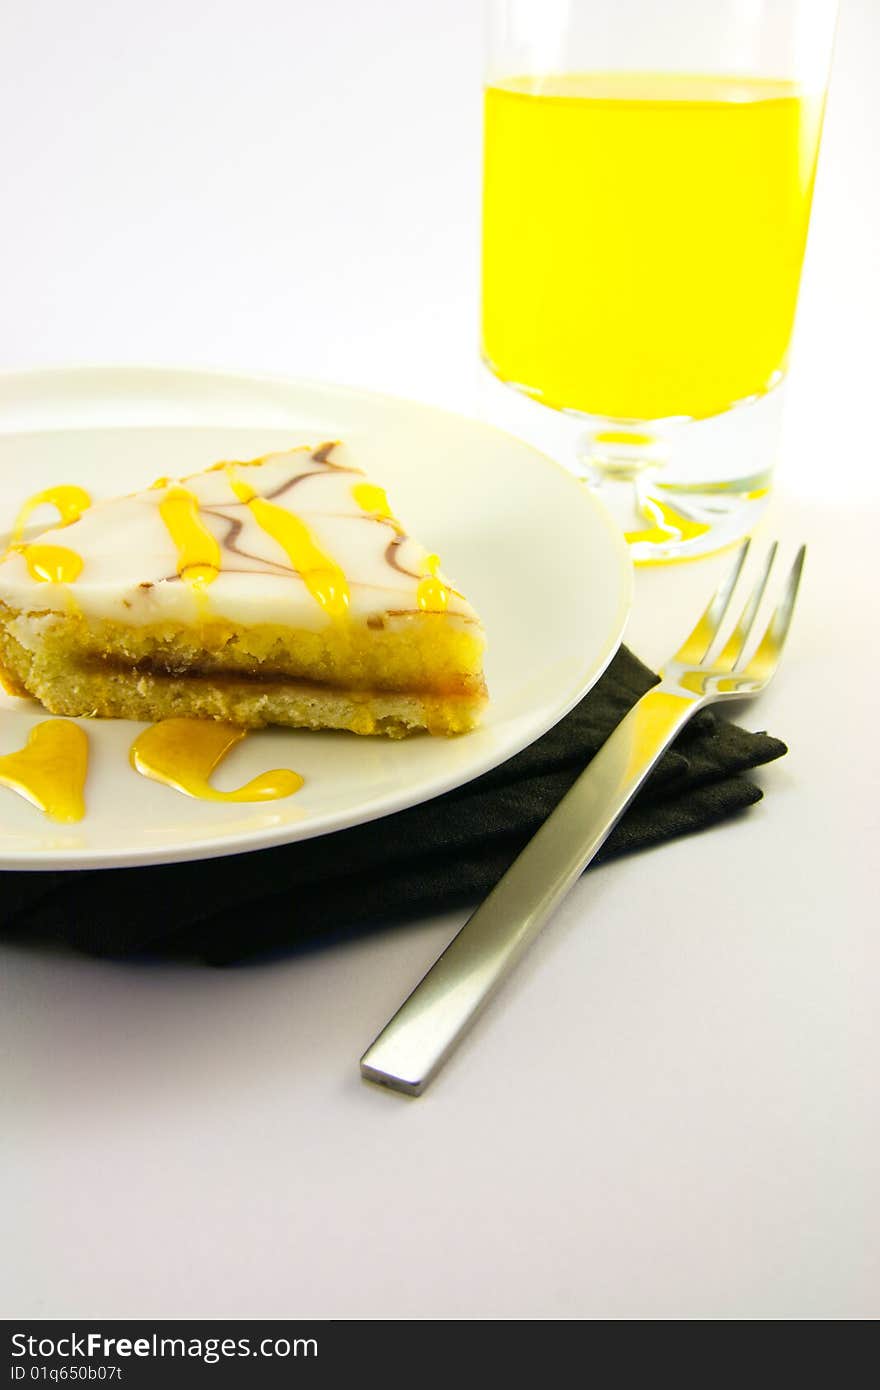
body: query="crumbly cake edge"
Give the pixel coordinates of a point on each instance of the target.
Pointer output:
(67, 685)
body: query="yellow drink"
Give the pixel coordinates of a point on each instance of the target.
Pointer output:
(643, 238)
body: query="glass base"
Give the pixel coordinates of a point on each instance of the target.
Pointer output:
(678, 488)
(684, 488)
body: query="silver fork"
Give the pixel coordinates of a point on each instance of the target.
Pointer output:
(412, 1048)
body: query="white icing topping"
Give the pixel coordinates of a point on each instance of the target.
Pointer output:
(130, 560)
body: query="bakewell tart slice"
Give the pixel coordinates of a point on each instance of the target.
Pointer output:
(279, 591)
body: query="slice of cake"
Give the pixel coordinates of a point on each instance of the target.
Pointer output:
(281, 591)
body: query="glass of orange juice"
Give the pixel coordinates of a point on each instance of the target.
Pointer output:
(649, 170)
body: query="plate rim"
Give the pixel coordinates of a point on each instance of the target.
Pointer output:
(219, 846)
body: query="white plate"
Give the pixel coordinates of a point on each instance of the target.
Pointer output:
(539, 558)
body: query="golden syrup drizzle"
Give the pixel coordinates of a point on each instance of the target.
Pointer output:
(52, 564)
(50, 771)
(321, 575)
(182, 753)
(432, 594)
(69, 501)
(226, 464)
(371, 498)
(374, 500)
(198, 552)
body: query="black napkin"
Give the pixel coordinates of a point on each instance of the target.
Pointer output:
(445, 853)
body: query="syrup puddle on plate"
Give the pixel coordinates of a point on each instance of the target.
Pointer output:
(182, 753)
(50, 771)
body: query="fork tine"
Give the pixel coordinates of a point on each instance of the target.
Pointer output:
(769, 650)
(695, 647)
(735, 645)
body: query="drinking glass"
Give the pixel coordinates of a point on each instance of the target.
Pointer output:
(649, 170)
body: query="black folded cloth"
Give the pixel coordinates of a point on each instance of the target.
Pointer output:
(445, 853)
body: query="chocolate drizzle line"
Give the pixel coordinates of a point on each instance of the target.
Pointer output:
(321, 455)
(234, 526)
(391, 555)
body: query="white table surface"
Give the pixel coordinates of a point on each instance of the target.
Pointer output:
(671, 1110)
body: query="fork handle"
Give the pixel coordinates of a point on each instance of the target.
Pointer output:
(417, 1041)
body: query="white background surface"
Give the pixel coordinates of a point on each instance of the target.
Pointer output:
(671, 1111)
